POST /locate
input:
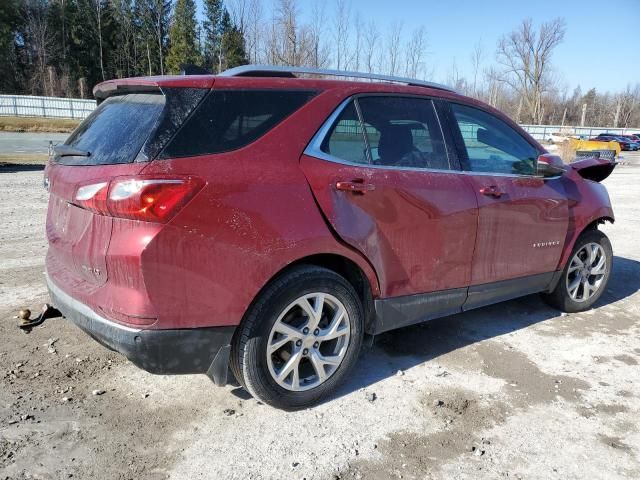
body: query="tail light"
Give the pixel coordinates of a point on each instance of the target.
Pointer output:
(150, 199)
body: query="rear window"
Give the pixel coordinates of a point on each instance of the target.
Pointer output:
(116, 131)
(230, 119)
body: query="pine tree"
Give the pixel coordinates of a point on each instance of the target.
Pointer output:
(8, 24)
(212, 30)
(232, 45)
(183, 38)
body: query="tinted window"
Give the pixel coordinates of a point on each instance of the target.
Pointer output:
(403, 132)
(116, 130)
(492, 145)
(230, 119)
(346, 139)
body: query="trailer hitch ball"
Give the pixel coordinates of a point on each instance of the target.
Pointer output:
(26, 323)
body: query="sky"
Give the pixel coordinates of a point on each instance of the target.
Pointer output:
(601, 48)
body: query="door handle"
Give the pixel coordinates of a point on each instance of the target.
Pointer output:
(491, 191)
(355, 186)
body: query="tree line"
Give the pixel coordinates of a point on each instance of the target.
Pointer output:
(65, 47)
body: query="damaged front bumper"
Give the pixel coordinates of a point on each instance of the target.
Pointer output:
(174, 351)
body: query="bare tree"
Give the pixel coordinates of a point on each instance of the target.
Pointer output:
(455, 79)
(393, 47)
(415, 51)
(628, 104)
(290, 42)
(253, 30)
(341, 33)
(371, 37)
(320, 53)
(155, 18)
(358, 25)
(476, 62)
(525, 55)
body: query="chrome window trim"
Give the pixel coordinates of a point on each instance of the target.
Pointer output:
(314, 150)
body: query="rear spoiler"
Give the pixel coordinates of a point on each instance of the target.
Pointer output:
(596, 169)
(150, 84)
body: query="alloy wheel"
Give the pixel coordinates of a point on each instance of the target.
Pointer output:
(586, 272)
(308, 341)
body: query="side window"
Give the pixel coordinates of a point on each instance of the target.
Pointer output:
(346, 139)
(492, 145)
(403, 132)
(231, 119)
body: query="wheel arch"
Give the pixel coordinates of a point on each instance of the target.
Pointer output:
(598, 221)
(590, 225)
(355, 274)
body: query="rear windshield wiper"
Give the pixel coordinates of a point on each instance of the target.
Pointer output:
(67, 151)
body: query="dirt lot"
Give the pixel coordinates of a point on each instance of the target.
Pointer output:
(510, 391)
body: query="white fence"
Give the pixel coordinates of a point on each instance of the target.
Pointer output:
(29, 106)
(543, 132)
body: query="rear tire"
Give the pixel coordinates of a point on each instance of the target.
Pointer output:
(299, 339)
(586, 274)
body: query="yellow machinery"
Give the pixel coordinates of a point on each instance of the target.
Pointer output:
(586, 145)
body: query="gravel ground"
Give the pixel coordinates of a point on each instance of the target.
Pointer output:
(509, 391)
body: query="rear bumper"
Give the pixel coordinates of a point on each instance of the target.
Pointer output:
(175, 351)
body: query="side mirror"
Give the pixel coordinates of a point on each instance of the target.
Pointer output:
(550, 165)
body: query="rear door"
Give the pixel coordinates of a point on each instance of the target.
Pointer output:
(380, 171)
(523, 218)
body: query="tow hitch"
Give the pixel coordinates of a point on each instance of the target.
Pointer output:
(26, 323)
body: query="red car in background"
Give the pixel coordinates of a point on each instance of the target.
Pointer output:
(268, 223)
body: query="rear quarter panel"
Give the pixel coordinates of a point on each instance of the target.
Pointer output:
(255, 216)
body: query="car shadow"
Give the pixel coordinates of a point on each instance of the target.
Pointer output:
(407, 347)
(6, 167)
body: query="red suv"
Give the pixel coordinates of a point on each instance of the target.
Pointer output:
(265, 222)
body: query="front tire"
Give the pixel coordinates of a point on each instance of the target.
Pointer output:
(585, 277)
(300, 338)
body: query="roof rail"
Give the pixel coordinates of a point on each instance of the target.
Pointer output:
(284, 71)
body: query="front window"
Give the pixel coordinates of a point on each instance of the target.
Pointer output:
(491, 145)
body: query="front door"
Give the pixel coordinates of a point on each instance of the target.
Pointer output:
(523, 218)
(380, 172)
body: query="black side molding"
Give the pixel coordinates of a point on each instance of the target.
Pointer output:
(495, 292)
(398, 312)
